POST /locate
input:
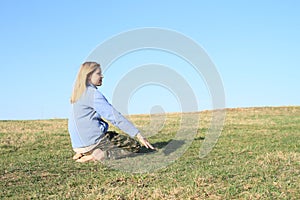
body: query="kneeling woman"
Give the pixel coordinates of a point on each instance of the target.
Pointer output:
(89, 133)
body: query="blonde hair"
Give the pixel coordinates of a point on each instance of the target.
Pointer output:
(81, 82)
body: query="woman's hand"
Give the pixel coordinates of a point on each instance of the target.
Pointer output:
(144, 141)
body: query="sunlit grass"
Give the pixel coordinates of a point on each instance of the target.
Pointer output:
(256, 157)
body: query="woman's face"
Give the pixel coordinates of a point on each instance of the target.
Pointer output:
(96, 77)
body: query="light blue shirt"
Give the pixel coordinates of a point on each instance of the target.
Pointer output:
(86, 125)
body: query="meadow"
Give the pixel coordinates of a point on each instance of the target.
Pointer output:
(257, 156)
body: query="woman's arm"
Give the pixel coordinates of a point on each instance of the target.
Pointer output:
(108, 112)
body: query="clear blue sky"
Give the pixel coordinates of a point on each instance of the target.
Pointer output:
(255, 46)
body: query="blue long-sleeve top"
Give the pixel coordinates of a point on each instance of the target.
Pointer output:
(86, 125)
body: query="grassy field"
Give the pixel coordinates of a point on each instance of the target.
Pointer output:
(256, 157)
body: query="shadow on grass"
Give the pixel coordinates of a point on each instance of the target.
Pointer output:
(161, 145)
(170, 146)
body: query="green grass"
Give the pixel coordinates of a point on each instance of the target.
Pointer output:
(256, 157)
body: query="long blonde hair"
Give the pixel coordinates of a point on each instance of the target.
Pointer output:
(81, 82)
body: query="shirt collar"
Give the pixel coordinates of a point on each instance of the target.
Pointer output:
(91, 85)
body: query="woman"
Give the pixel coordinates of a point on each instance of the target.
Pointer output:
(89, 133)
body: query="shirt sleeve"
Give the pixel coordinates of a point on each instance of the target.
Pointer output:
(108, 112)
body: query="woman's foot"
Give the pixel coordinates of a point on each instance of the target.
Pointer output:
(77, 156)
(96, 155)
(86, 159)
